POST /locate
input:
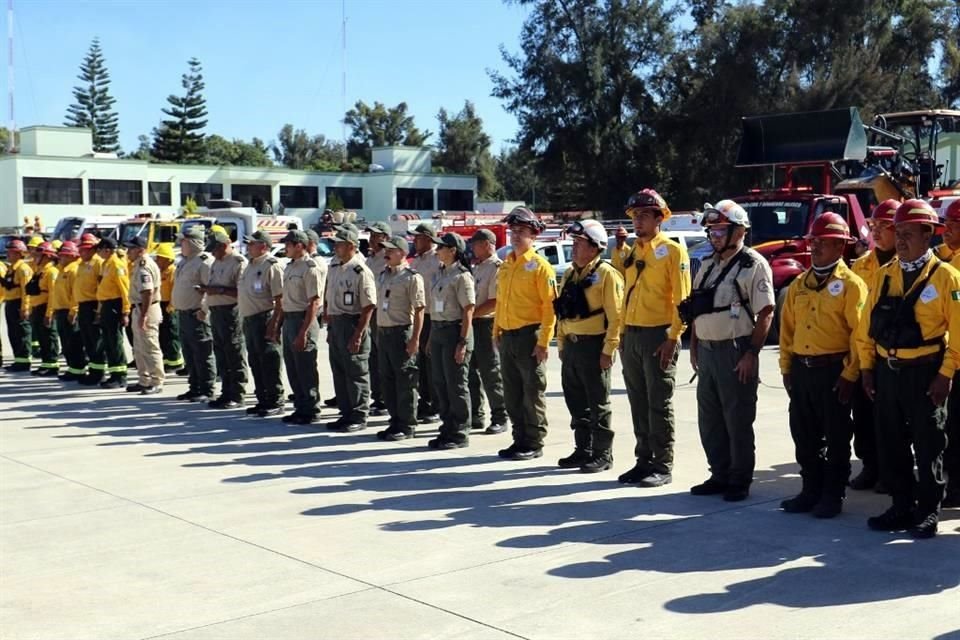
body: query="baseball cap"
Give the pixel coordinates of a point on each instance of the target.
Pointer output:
(481, 235)
(217, 240)
(194, 232)
(347, 235)
(313, 236)
(107, 243)
(295, 237)
(397, 242)
(454, 240)
(138, 242)
(379, 227)
(259, 236)
(425, 230)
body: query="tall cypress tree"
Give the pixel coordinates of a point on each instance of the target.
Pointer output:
(179, 139)
(93, 106)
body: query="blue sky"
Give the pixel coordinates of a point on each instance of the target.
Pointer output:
(265, 63)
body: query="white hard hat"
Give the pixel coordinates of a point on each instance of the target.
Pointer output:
(725, 212)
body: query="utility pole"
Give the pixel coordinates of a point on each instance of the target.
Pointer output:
(343, 82)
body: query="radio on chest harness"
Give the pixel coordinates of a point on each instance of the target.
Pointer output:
(893, 320)
(572, 301)
(701, 300)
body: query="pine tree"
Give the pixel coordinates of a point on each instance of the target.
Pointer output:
(180, 139)
(93, 106)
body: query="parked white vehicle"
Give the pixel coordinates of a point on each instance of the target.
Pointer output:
(688, 239)
(72, 227)
(559, 253)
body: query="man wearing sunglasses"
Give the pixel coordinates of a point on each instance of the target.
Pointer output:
(867, 266)
(733, 304)
(657, 279)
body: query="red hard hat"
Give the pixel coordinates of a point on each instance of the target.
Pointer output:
(47, 249)
(952, 213)
(918, 211)
(69, 249)
(885, 211)
(16, 245)
(89, 241)
(830, 225)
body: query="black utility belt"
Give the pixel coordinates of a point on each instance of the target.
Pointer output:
(447, 323)
(576, 337)
(140, 304)
(896, 363)
(822, 360)
(530, 328)
(189, 310)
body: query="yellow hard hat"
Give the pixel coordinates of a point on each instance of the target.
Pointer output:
(165, 250)
(35, 241)
(215, 228)
(57, 244)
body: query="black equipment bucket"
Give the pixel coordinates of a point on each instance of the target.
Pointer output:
(812, 137)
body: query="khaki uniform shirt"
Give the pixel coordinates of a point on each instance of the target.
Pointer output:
(377, 262)
(190, 273)
(350, 288)
(322, 269)
(453, 291)
(485, 277)
(301, 284)
(225, 273)
(400, 293)
(145, 276)
(260, 282)
(427, 265)
(756, 286)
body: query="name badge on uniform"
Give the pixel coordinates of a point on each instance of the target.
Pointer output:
(735, 310)
(835, 288)
(530, 266)
(258, 285)
(928, 294)
(386, 301)
(438, 306)
(661, 252)
(348, 298)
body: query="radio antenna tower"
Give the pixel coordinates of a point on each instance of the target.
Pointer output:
(13, 121)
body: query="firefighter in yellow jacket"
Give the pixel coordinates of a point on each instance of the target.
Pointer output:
(40, 288)
(657, 280)
(85, 294)
(867, 267)
(820, 367)
(62, 312)
(17, 305)
(113, 311)
(909, 348)
(588, 335)
(170, 326)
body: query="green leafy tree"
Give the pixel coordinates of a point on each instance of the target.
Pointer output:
(93, 104)
(464, 147)
(335, 203)
(584, 92)
(379, 126)
(296, 149)
(179, 139)
(5, 141)
(236, 152)
(516, 173)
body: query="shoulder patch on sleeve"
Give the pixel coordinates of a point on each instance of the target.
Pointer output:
(272, 260)
(357, 269)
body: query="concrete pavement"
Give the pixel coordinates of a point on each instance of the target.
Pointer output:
(123, 516)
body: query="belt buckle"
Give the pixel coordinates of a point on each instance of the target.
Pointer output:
(805, 361)
(892, 363)
(573, 337)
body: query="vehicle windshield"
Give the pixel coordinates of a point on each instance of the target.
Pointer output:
(776, 220)
(325, 247)
(130, 230)
(68, 229)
